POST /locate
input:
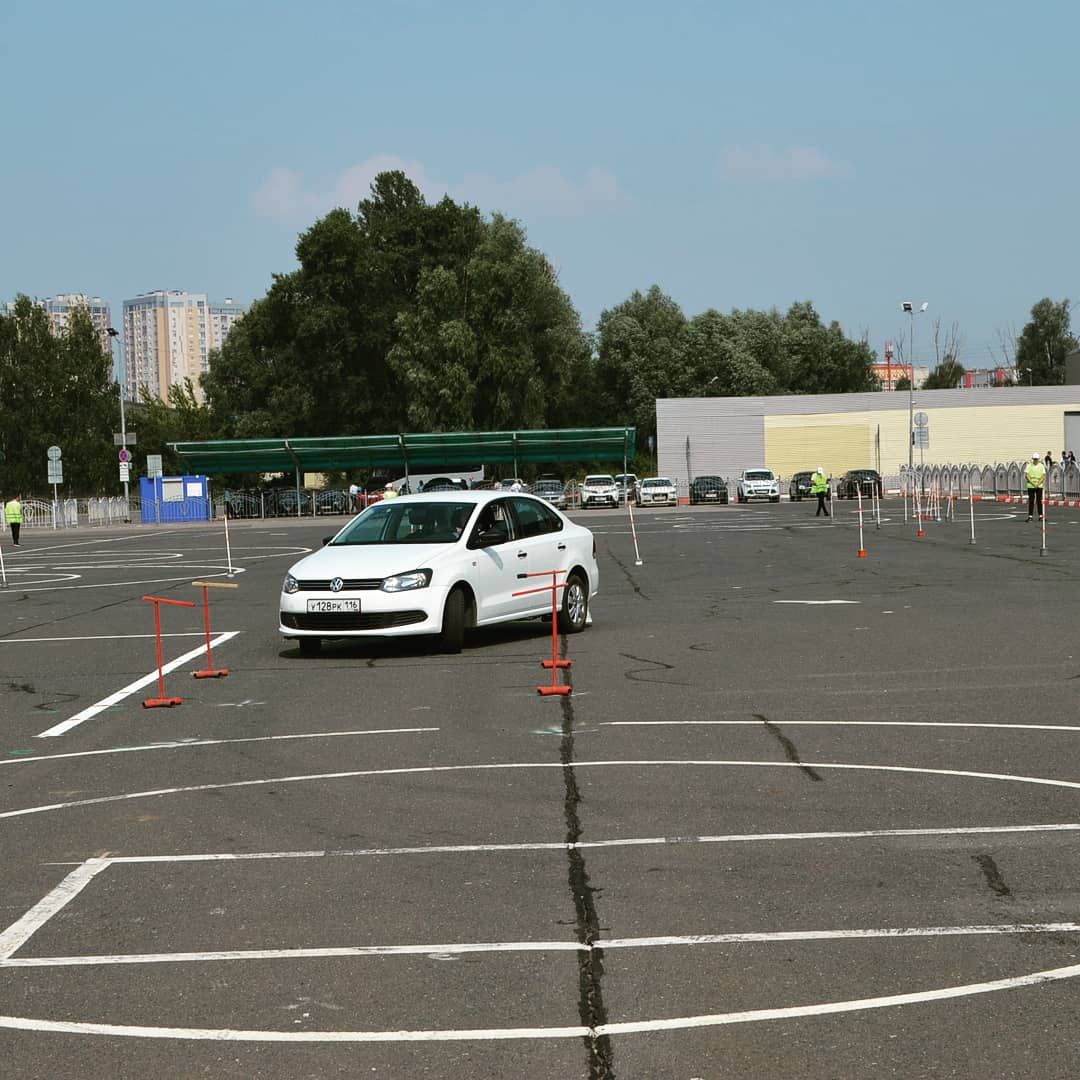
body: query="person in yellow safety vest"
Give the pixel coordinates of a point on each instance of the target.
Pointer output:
(819, 486)
(389, 492)
(13, 516)
(1035, 478)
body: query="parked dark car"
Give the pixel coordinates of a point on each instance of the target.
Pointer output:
(705, 489)
(332, 501)
(866, 480)
(447, 483)
(799, 488)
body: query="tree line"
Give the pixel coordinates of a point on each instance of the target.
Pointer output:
(407, 315)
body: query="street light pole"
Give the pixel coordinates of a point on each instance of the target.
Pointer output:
(909, 307)
(114, 334)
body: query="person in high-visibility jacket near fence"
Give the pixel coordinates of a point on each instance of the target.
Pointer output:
(1035, 478)
(13, 516)
(819, 486)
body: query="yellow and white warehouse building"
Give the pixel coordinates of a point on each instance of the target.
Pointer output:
(723, 436)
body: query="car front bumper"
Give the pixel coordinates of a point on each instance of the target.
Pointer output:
(381, 614)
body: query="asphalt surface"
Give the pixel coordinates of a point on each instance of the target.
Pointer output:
(763, 838)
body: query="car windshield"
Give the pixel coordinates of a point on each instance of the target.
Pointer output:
(548, 485)
(657, 481)
(599, 481)
(758, 474)
(408, 523)
(625, 478)
(708, 480)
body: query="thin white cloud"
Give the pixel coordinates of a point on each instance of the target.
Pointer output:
(758, 161)
(286, 196)
(545, 191)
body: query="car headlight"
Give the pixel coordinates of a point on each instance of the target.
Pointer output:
(413, 579)
(291, 584)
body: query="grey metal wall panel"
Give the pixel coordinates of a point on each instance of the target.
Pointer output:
(720, 443)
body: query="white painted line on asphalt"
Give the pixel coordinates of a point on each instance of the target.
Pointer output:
(1035, 978)
(416, 770)
(601, 944)
(839, 723)
(817, 603)
(20, 931)
(94, 637)
(183, 744)
(66, 725)
(580, 845)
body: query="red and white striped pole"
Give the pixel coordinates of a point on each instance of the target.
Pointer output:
(862, 549)
(633, 531)
(920, 531)
(1042, 523)
(971, 509)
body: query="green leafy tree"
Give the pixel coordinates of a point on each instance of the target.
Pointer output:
(56, 390)
(1044, 343)
(181, 418)
(946, 376)
(641, 356)
(401, 316)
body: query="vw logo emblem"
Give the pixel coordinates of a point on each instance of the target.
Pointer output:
(337, 585)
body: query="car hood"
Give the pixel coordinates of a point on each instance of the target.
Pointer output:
(371, 560)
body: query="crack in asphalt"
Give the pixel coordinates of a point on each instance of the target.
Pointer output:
(789, 748)
(629, 577)
(591, 1006)
(633, 673)
(994, 880)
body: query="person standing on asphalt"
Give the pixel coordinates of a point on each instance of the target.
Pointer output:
(13, 516)
(1035, 478)
(819, 486)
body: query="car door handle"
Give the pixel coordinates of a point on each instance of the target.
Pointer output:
(523, 554)
(560, 547)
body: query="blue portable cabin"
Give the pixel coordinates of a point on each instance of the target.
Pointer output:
(169, 499)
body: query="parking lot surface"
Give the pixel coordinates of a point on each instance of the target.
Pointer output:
(805, 814)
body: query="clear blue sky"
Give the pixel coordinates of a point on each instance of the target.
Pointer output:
(736, 154)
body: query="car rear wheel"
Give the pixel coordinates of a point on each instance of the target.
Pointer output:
(452, 636)
(575, 606)
(309, 646)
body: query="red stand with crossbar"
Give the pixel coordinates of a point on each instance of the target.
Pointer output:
(554, 663)
(209, 672)
(161, 701)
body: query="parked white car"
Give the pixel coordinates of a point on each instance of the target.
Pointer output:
(758, 483)
(599, 489)
(657, 491)
(439, 564)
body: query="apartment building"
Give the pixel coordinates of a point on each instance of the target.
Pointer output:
(168, 336)
(59, 308)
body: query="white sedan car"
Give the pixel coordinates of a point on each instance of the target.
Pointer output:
(599, 489)
(440, 564)
(657, 491)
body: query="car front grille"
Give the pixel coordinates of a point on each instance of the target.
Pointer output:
(348, 620)
(347, 584)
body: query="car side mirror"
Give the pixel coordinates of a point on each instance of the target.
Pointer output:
(326, 540)
(494, 534)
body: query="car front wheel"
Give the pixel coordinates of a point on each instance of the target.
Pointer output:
(452, 636)
(575, 606)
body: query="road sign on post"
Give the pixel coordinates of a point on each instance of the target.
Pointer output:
(125, 472)
(56, 472)
(126, 438)
(54, 453)
(125, 456)
(153, 465)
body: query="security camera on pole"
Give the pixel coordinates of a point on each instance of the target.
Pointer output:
(122, 438)
(908, 307)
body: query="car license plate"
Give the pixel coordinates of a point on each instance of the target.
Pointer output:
(333, 605)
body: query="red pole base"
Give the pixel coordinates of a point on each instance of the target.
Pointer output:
(547, 691)
(920, 533)
(162, 702)
(556, 663)
(862, 554)
(211, 673)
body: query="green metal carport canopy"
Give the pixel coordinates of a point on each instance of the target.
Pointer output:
(410, 453)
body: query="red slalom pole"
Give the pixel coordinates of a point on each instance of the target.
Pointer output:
(210, 672)
(554, 663)
(862, 550)
(161, 701)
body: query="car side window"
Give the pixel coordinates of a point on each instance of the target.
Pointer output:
(534, 518)
(493, 516)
